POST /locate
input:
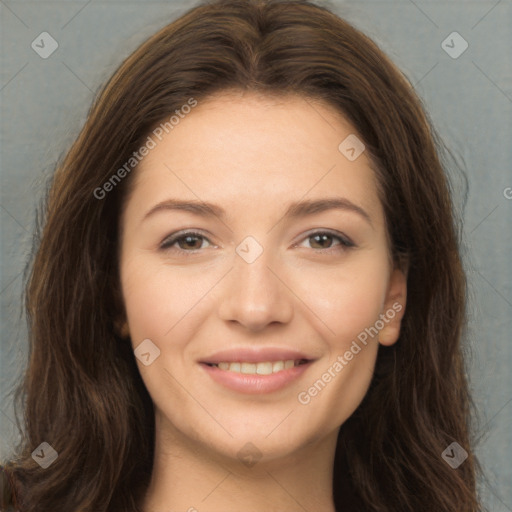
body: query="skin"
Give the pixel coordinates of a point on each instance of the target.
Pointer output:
(253, 155)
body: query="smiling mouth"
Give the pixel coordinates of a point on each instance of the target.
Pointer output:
(263, 368)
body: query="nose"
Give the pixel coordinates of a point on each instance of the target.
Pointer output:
(255, 295)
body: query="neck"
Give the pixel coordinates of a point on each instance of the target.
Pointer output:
(190, 476)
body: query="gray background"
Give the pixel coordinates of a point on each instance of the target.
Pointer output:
(44, 103)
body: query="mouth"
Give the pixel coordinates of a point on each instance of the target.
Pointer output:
(258, 368)
(258, 377)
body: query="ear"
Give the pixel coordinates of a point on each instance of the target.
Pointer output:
(394, 307)
(120, 322)
(122, 329)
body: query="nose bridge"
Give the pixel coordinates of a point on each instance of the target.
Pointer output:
(254, 296)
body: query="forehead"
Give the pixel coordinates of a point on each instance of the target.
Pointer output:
(247, 149)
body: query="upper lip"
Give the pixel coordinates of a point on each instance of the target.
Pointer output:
(248, 355)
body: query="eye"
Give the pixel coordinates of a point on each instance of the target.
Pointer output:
(191, 241)
(323, 238)
(187, 240)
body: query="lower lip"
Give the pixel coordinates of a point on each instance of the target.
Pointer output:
(255, 384)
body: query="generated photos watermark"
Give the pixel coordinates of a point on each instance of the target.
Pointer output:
(151, 142)
(304, 397)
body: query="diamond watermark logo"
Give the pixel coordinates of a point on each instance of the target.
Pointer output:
(45, 455)
(249, 249)
(44, 45)
(454, 45)
(249, 455)
(454, 455)
(352, 147)
(146, 352)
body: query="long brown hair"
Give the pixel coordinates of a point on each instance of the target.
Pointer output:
(82, 392)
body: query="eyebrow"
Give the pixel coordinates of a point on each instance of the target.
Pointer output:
(295, 210)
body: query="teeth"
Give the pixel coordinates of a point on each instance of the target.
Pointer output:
(277, 366)
(265, 368)
(248, 368)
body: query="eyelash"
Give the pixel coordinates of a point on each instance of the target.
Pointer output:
(167, 244)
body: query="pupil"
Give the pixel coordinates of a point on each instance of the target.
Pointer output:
(189, 240)
(323, 237)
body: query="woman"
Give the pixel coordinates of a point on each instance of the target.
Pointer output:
(248, 292)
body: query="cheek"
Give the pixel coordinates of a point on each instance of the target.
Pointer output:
(160, 299)
(347, 298)
(149, 296)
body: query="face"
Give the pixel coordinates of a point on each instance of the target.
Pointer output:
(260, 317)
